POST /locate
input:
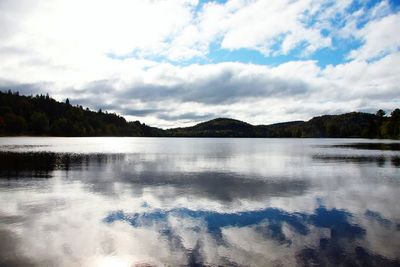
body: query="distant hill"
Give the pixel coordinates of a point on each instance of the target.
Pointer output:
(220, 127)
(43, 116)
(354, 124)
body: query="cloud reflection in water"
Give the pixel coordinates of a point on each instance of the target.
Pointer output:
(230, 202)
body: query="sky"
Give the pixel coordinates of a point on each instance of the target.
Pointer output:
(176, 63)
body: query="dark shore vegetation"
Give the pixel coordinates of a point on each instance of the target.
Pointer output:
(41, 115)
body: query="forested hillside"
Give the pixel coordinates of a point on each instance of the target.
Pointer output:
(354, 124)
(43, 116)
(220, 127)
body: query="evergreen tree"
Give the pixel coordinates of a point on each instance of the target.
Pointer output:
(380, 113)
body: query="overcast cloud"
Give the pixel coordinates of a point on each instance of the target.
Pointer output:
(175, 63)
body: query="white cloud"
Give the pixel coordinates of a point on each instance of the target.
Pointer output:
(71, 32)
(379, 38)
(263, 25)
(82, 32)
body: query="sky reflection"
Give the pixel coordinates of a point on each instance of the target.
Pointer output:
(230, 202)
(341, 239)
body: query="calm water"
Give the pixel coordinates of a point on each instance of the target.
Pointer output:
(195, 202)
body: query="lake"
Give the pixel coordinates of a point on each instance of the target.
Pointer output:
(196, 202)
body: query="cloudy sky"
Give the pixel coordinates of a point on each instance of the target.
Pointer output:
(179, 62)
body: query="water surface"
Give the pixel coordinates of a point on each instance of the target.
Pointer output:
(196, 202)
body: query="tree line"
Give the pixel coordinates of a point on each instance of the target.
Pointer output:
(41, 115)
(353, 124)
(348, 125)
